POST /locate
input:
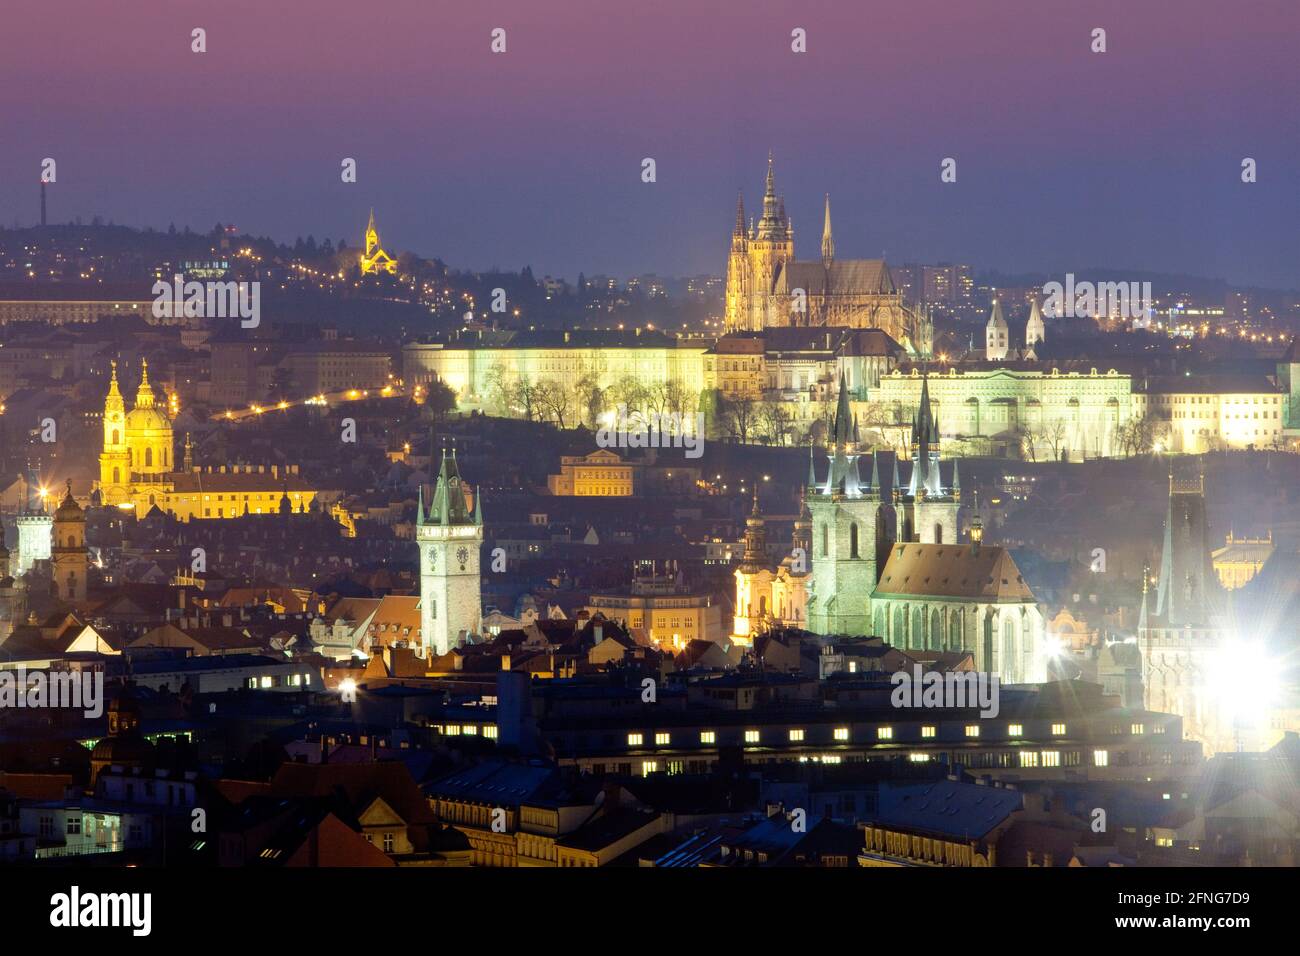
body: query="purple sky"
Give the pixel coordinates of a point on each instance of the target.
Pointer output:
(1066, 159)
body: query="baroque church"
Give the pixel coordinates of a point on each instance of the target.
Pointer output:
(888, 562)
(137, 468)
(768, 598)
(768, 288)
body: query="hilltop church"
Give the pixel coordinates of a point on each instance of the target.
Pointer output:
(889, 563)
(768, 288)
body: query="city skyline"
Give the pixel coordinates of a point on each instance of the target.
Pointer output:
(467, 160)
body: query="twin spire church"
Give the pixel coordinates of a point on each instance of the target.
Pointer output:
(886, 561)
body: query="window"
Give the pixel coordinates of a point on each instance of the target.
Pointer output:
(928, 732)
(388, 843)
(708, 737)
(1015, 730)
(972, 730)
(796, 735)
(1138, 729)
(1101, 758)
(1029, 758)
(841, 733)
(74, 824)
(751, 736)
(884, 733)
(1051, 758)
(661, 740)
(648, 767)
(1058, 730)
(635, 740)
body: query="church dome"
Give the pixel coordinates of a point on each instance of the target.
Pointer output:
(145, 420)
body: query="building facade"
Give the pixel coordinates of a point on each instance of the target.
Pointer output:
(450, 538)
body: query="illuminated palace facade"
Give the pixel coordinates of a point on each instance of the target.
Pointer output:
(137, 468)
(768, 288)
(1039, 414)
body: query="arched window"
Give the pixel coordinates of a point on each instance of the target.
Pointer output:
(117, 475)
(938, 532)
(825, 540)
(148, 457)
(936, 630)
(899, 636)
(955, 639)
(918, 628)
(1009, 670)
(116, 439)
(878, 630)
(853, 540)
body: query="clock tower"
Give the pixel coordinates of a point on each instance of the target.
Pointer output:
(450, 538)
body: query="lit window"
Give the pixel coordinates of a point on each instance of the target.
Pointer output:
(972, 730)
(927, 732)
(841, 733)
(1029, 758)
(884, 733)
(490, 731)
(796, 735)
(648, 767)
(708, 737)
(453, 730)
(918, 758)
(635, 740)
(1137, 729)
(661, 740)
(1058, 730)
(1015, 730)
(751, 736)
(1051, 758)
(1101, 758)
(266, 682)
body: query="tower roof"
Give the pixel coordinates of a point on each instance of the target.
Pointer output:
(995, 318)
(144, 397)
(828, 241)
(449, 506)
(842, 430)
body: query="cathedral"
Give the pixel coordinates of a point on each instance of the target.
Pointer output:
(767, 287)
(375, 260)
(137, 468)
(450, 537)
(888, 562)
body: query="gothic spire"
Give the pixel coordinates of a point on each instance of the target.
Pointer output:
(841, 433)
(828, 241)
(740, 215)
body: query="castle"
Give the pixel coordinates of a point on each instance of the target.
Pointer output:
(767, 287)
(137, 468)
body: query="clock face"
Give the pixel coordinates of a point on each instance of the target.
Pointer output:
(462, 555)
(433, 558)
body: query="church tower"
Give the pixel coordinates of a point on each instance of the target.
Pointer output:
(828, 241)
(1035, 331)
(115, 461)
(755, 257)
(739, 289)
(69, 554)
(375, 259)
(450, 539)
(847, 523)
(753, 579)
(996, 342)
(927, 512)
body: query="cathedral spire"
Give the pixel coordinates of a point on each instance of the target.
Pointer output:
(740, 215)
(841, 433)
(812, 471)
(828, 241)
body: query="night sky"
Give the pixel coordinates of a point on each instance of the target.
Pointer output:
(1066, 159)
